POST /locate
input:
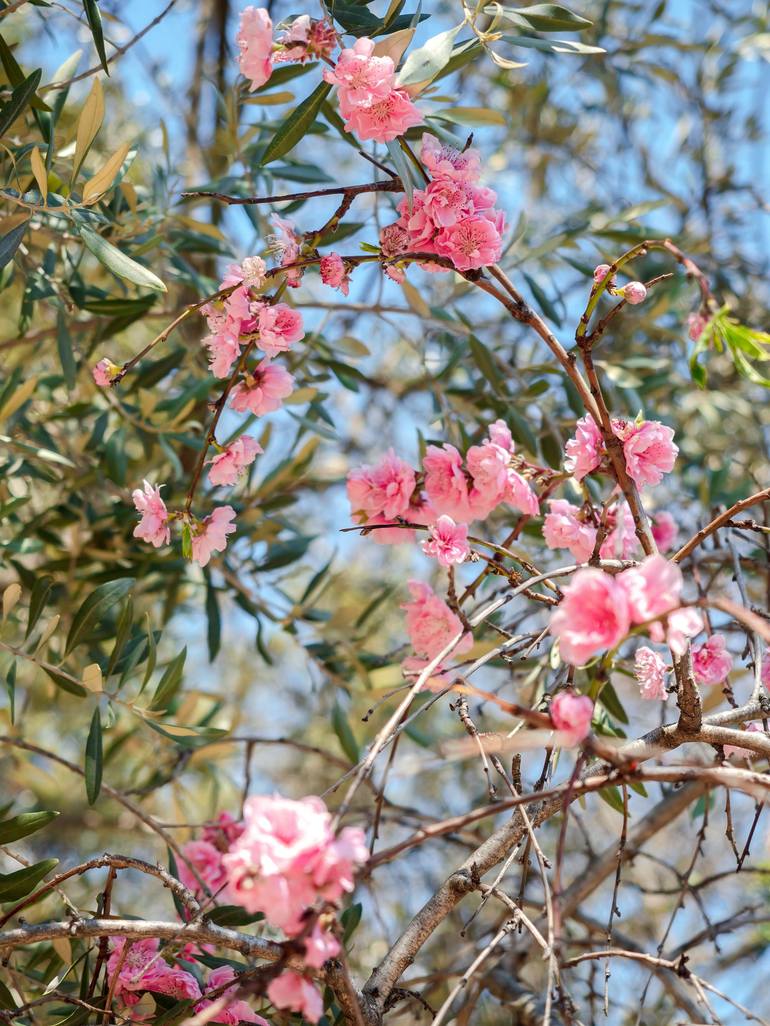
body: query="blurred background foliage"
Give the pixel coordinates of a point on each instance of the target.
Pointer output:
(651, 121)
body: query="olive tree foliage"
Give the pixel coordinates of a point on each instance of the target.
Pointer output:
(143, 694)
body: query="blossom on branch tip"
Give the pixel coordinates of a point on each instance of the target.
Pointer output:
(296, 993)
(571, 715)
(431, 625)
(447, 542)
(334, 273)
(650, 672)
(384, 489)
(593, 616)
(584, 451)
(601, 272)
(153, 527)
(228, 465)
(305, 39)
(649, 450)
(262, 390)
(565, 528)
(634, 292)
(212, 534)
(320, 946)
(711, 662)
(280, 326)
(104, 372)
(255, 43)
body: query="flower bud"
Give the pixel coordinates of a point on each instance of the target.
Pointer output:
(104, 372)
(696, 325)
(601, 272)
(634, 292)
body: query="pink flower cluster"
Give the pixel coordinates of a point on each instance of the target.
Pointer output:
(304, 39)
(571, 715)
(210, 535)
(334, 273)
(648, 448)
(371, 105)
(153, 526)
(711, 662)
(571, 527)
(431, 625)
(453, 216)
(598, 610)
(454, 492)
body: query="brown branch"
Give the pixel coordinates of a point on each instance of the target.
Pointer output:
(719, 521)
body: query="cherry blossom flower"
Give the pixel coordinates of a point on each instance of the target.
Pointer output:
(564, 528)
(471, 243)
(212, 534)
(431, 625)
(140, 969)
(592, 617)
(664, 530)
(584, 451)
(334, 273)
(255, 42)
(288, 857)
(228, 465)
(381, 490)
(305, 39)
(681, 625)
(446, 483)
(263, 390)
(297, 994)
(206, 859)
(448, 542)
(634, 292)
(649, 451)
(286, 243)
(104, 372)
(443, 161)
(223, 832)
(383, 119)
(280, 326)
(650, 672)
(154, 525)
(652, 588)
(621, 542)
(711, 662)
(360, 75)
(235, 1009)
(571, 715)
(320, 946)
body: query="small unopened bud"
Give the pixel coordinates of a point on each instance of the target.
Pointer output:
(634, 292)
(696, 325)
(601, 272)
(104, 372)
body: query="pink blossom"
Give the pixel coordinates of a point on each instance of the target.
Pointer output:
(737, 750)
(286, 243)
(764, 674)
(431, 624)
(488, 465)
(448, 542)
(696, 325)
(621, 542)
(235, 1010)
(263, 390)
(650, 672)
(142, 970)
(153, 527)
(652, 588)
(228, 465)
(711, 662)
(320, 946)
(334, 273)
(255, 42)
(104, 372)
(446, 483)
(213, 532)
(254, 272)
(296, 993)
(681, 625)
(571, 714)
(394, 239)
(649, 452)
(382, 120)
(446, 202)
(500, 434)
(563, 528)
(519, 494)
(223, 832)
(584, 451)
(207, 861)
(224, 350)
(634, 292)
(384, 489)
(360, 76)
(592, 617)
(601, 272)
(444, 161)
(288, 857)
(471, 243)
(280, 326)
(664, 530)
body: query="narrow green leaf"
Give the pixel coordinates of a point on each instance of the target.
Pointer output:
(15, 886)
(18, 100)
(95, 606)
(64, 346)
(542, 17)
(94, 16)
(345, 734)
(94, 758)
(486, 364)
(423, 64)
(10, 687)
(233, 916)
(117, 261)
(24, 824)
(70, 686)
(123, 633)
(11, 241)
(296, 124)
(350, 919)
(214, 630)
(6, 998)
(403, 167)
(168, 685)
(152, 655)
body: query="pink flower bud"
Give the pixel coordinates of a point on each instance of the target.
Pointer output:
(104, 372)
(634, 292)
(601, 272)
